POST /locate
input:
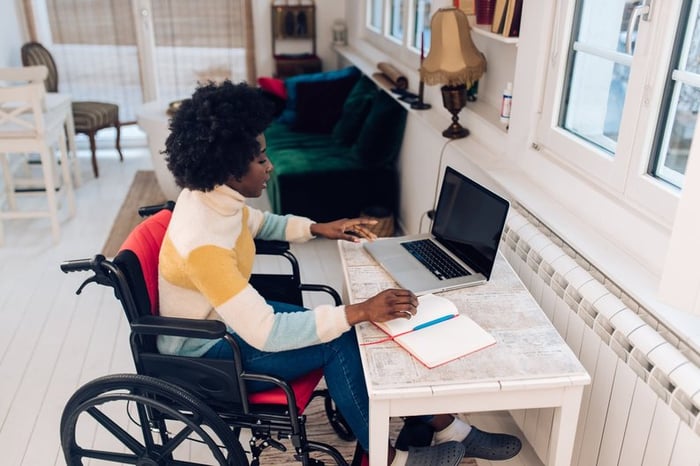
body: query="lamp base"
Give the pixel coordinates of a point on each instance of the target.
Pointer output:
(454, 98)
(420, 105)
(456, 131)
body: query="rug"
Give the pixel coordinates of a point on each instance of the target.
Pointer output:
(144, 190)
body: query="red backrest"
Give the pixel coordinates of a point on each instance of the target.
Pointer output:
(145, 241)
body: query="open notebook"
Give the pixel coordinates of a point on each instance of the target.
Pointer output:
(438, 333)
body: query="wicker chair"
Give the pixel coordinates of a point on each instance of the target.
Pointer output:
(89, 117)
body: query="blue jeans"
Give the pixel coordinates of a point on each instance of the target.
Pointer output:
(339, 359)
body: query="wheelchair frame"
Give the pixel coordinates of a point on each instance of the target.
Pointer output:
(189, 390)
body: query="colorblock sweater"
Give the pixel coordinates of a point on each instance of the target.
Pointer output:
(206, 261)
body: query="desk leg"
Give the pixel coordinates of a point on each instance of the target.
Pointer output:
(378, 432)
(564, 428)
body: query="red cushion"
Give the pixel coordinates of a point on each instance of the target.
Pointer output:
(303, 388)
(145, 241)
(273, 86)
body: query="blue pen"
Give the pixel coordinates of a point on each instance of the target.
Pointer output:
(433, 322)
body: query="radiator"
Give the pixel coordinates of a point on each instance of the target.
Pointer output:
(643, 404)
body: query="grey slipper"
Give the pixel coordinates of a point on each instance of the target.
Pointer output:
(489, 446)
(445, 454)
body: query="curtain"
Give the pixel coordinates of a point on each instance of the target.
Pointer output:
(121, 51)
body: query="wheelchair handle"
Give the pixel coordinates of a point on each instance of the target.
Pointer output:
(98, 264)
(148, 210)
(82, 265)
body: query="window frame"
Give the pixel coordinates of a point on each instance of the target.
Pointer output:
(402, 50)
(625, 175)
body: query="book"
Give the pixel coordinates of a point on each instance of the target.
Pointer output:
(438, 333)
(499, 16)
(511, 23)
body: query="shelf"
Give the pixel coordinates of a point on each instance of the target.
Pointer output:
(482, 117)
(485, 30)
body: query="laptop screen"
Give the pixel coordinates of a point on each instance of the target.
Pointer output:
(469, 220)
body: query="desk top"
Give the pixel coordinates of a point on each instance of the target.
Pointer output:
(529, 352)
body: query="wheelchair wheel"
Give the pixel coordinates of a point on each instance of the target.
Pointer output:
(336, 419)
(135, 419)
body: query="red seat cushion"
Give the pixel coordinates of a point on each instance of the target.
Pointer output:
(303, 388)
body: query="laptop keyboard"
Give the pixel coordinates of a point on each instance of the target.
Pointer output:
(435, 259)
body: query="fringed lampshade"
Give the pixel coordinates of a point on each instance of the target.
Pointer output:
(453, 61)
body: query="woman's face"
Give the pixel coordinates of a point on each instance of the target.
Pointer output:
(255, 179)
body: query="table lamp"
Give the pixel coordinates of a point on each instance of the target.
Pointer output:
(453, 61)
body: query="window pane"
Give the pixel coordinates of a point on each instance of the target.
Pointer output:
(603, 23)
(681, 103)
(596, 96)
(375, 14)
(199, 42)
(678, 134)
(94, 47)
(396, 18)
(421, 33)
(598, 71)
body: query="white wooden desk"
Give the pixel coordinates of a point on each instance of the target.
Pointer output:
(529, 367)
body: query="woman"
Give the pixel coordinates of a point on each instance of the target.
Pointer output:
(216, 152)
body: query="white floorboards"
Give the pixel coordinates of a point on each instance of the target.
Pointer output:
(52, 341)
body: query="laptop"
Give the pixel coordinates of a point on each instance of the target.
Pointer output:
(460, 249)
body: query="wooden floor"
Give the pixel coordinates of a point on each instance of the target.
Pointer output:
(52, 341)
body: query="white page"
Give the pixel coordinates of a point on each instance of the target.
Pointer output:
(430, 307)
(446, 341)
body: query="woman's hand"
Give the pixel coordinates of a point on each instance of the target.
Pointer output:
(386, 305)
(348, 229)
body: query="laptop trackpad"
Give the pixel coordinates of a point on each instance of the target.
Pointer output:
(406, 268)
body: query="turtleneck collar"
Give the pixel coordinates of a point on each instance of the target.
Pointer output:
(222, 199)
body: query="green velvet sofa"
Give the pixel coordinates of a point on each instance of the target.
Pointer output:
(336, 155)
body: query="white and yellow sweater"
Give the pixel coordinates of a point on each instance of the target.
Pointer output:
(205, 263)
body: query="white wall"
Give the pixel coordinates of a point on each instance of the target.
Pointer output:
(11, 35)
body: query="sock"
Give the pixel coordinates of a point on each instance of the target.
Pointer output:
(456, 431)
(400, 458)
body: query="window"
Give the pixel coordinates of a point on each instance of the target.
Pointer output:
(374, 14)
(407, 24)
(621, 97)
(103, 51)
(396, 18)
(421, 25)
(598, 71)
(680, 104)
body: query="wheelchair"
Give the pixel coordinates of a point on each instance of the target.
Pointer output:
(175, 405)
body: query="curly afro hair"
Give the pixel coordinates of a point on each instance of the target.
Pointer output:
(213, 134)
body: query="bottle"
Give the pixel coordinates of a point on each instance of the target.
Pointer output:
(506, 103)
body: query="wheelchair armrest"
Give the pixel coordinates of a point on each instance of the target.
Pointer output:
(323, 288)
(269, 247)
(179, 327)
